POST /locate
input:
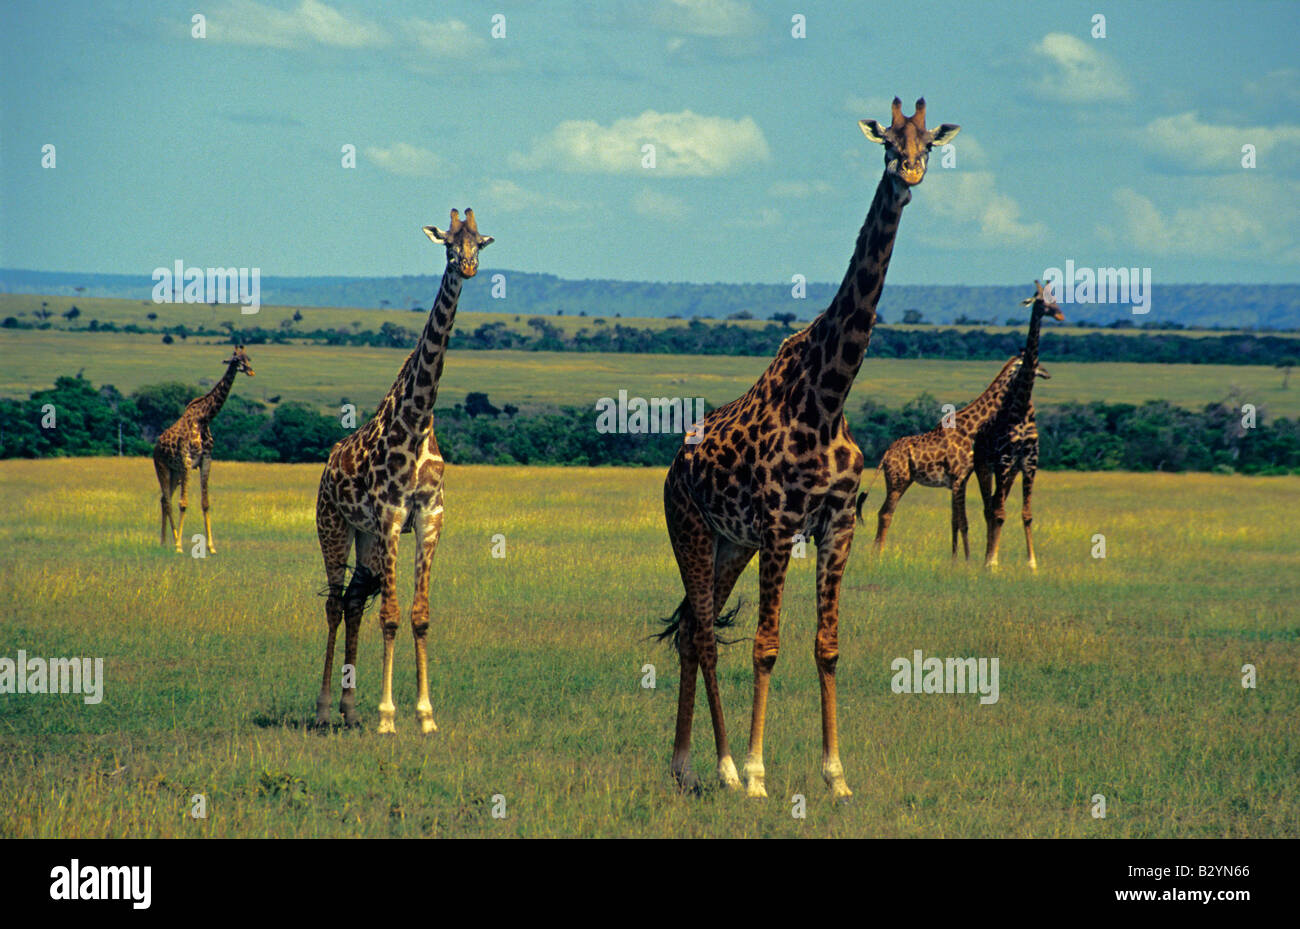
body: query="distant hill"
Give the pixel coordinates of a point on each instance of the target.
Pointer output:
(1231, 306)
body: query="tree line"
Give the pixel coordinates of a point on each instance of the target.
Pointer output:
(74, 418)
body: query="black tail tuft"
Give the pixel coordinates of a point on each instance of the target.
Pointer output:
(673, 624)
(364, 586)
(862, 498)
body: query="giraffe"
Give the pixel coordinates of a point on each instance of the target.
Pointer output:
(1010, 443)
(383, 480)
(942, 457)
(779, 462)
(186, 444)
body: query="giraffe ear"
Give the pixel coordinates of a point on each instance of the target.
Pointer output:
(1027, 301)
(871, 129)
(944, 134)
(485, 240)
(435, 234)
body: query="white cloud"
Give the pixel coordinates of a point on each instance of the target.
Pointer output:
(977, 214)
(405, 159)
(715, 19)
(686, 145)
(451, 38)
(244, 22)
(657, 205)
(1233, 216)
(508, 197)
(1077, 71)
(1187, 141)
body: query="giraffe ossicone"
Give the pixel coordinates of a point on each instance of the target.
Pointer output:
(384, 480)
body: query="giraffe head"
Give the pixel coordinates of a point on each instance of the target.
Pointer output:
(463, 243)
(907, 142)
(1015, 364)
(240, 358)
(1044, 303)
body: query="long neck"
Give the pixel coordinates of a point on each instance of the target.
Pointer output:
(839, 337)
(213, 400)
(985, 407)
(421, 388)
(1022, 386)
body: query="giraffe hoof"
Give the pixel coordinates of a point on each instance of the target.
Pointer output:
(386, 726)
(727, 775)
(755, 790)
(844, 799)
(689, 785)
(427, 725)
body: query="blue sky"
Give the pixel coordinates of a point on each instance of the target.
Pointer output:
(226, 150)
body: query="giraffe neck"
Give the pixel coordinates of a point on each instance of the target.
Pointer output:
(1022, 386)
(209, 405)
(419, 383)
(986, 406)
(839, 337)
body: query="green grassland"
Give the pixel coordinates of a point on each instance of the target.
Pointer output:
(321, 375)
(1119, 676)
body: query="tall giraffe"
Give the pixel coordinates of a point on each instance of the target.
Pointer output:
(779, 462)
(187, 443)
(384, 480)
(1010, 443)
(942, 457)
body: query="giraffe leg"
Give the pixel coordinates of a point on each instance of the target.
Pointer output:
(365, 580)
(428, 527)
(205, 465)
(832, 556)
(773, 561)
(886, 514)
(335, 539)
(959, 524)
(386, 546)
(165, 500)
(185, 498)
(995, 514)
(695, 547)
(1026, 511)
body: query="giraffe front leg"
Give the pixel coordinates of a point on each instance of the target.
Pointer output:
(832, 556)
(773, 561)
(205, 465)
(428, 527)
(389, 614)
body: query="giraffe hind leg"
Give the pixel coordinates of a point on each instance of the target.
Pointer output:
(335, 541)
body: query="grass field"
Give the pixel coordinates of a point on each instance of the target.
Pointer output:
(322, 375)
(1118, 676)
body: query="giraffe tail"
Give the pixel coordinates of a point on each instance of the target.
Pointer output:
(862, 497)
(673, 624)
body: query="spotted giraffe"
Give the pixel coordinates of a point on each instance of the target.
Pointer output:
(942, 457)
(1010, 443)
(186, 444)
(779, 462)
(384, 480)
